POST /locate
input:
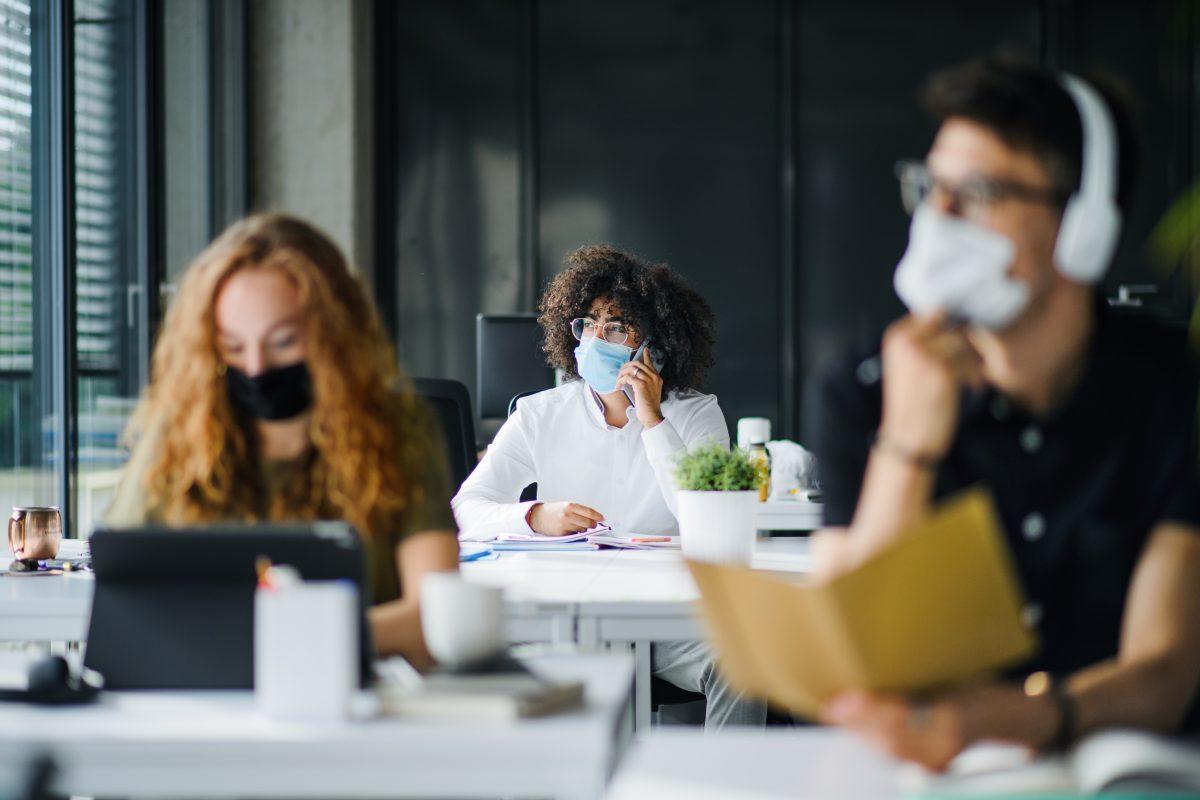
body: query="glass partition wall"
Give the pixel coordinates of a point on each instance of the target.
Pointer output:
(75, 248)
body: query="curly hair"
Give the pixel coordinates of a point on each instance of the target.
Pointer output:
(203, 462)
(654, 300)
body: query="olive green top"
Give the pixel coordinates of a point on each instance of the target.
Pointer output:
(429, 511)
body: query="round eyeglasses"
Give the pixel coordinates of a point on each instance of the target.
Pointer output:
(612, 332)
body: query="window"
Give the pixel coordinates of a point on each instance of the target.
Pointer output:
(26, 479)
(75, 272)
(108, 327)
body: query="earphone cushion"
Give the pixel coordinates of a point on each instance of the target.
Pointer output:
(1087, 238)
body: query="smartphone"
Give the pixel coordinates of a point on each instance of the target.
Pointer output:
(655, 358)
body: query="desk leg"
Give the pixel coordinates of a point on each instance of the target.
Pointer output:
(562, 629)
(587, 634)
(641, 686)
(641, 680)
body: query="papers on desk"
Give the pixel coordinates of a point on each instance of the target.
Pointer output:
(635, 542)
(1116, 760)
(592, 539)
(536, 541)
(537, 538)
(939, 606)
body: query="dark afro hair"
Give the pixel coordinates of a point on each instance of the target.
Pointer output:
(654, 300)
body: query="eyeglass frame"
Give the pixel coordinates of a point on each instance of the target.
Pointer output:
(991, 191)
(603, 327)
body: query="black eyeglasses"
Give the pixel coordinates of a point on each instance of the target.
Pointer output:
(975, 197)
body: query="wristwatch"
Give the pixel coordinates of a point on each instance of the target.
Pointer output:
(1043, 684)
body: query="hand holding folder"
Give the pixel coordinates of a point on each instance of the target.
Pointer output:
(939, 606)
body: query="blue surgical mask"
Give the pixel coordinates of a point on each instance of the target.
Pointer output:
(598, 363)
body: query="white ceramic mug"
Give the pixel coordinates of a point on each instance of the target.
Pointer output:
(463, 622)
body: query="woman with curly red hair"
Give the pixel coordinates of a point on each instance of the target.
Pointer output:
(637, 340)
(274, 395)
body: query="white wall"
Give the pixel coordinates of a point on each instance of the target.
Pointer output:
(310, 117)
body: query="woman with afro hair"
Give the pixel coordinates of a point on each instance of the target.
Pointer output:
(636, 342)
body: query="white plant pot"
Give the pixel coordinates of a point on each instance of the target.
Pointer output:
(718, 526)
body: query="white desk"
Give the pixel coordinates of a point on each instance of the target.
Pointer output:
(615, 599)
(621, 600)
(214, 745)
(44, 607)
(796, 764)
(790, 515)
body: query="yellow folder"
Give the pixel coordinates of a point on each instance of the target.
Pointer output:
(939, 606)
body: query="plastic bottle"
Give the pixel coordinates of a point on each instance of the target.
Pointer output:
(761, 460)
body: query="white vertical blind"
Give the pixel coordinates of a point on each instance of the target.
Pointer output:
(99, 186)
(16, 189)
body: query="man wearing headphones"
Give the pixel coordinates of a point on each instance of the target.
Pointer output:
(1011, 372)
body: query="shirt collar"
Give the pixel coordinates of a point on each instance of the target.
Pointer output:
(595, 407)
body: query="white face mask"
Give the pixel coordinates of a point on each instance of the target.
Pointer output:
(961, 268)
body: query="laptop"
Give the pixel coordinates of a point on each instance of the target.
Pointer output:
(174, 607)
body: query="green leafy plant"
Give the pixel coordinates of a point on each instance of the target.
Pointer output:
(713, 468)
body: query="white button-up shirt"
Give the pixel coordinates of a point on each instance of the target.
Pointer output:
(560, 440)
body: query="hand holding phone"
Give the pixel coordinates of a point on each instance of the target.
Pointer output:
(641, 376)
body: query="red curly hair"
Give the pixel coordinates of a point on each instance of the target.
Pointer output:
(204, 464)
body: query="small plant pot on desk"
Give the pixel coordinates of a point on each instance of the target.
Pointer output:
(718, 526)
(717, 504)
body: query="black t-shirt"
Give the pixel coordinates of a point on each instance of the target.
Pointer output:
(1078, 491)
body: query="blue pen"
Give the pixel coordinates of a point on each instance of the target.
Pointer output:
(475, 556)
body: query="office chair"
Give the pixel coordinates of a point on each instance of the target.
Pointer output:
(33, 780)
(530, 491)
(451, 404)
(508, 360)
(665, 693)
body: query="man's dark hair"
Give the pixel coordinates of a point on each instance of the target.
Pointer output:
(654, 300)
(1029, 110)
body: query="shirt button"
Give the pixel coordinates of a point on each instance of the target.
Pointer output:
(869, 371)
(999, 408)
(1031, 439)
(1033, 527)
(1031, 615)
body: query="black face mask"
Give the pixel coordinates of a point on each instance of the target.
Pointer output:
(272, 395)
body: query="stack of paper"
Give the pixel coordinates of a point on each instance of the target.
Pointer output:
(505, 690)
(635, 541)
(536, 541)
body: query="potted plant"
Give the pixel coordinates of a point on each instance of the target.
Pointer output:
(717, 503)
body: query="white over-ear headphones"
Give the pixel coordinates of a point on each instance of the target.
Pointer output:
(1091, 222)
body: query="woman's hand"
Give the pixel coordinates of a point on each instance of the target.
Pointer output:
(643, 378)
(559, 519)
(930, 734)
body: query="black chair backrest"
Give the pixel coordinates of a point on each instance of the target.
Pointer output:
(512, 404)
(530, 491)
(509, 360)
(451, 404)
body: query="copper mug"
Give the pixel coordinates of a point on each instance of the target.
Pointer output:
(34, 532)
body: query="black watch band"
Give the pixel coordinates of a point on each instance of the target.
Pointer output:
(1043, 684)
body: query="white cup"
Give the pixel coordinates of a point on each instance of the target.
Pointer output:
(462, 621)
